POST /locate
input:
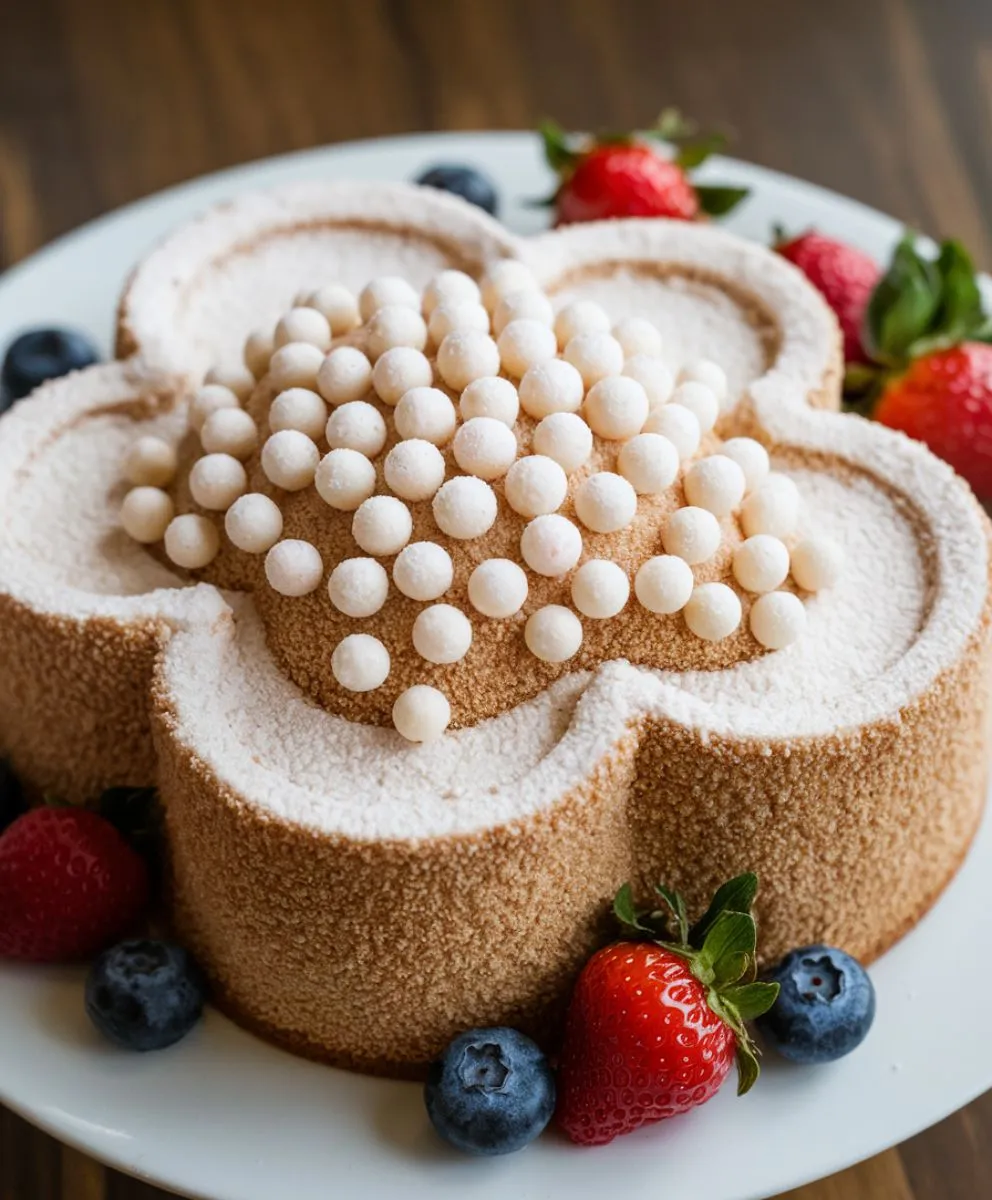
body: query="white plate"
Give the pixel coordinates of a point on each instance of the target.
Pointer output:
(226, 1117)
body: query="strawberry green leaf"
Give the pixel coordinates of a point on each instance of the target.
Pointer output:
(747, 1066)
(557, 151)
(903, 305)
(673, 126)
(736, 895)
(677, 904)
(695, 153)
(718, 201)
(859, 380)
(961, 309)
(750, 1000)
(729, 947)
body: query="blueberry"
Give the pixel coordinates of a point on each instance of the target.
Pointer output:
(490, 1092)
(824, 1009)
(11, 796)
(42, 354)
(470, 183)
(145, 994)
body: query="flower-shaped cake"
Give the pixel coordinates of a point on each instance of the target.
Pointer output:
(572, 512)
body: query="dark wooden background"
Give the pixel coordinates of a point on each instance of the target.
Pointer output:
(890, 101)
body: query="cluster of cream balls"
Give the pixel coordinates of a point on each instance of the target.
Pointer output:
(501, 348)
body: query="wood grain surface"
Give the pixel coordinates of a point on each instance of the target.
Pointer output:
(889, 101)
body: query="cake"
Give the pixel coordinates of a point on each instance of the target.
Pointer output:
(400, 793)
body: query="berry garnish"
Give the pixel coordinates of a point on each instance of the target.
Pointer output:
(39, 355)
(144, 994)
(624, 175)
(11, 795)
(843, 274)
(655, 1023)
(490, 1092)
(69, 885)
(470, 183)
(825, 1006)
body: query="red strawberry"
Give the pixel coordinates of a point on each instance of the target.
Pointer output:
(653, 1026)
(945, 400)
(69, 885)
(844, 275)
(620, 176)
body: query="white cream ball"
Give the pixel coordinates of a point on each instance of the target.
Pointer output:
(777, 619)
(338, 305)
(294, 567)
(551, 387)
(427, 413)
(581, 316)
(564, 437)
(217, 480)
(485, 447)
(414, 469)
(692, 534)
(450, 287)
(467, 355)
(605, 502)
(700, 400)
(751, 457)
(382, 525)
(238, 378)
(817, 563)
(298, 408)
(253, 523)
(344, 479)
(551, 545)
(191, 541)
(295, 365)
(524, 343)
(421, 713)
(465, 507)
(442, 634)
(497, 588)
(229, 431)
(303, 325)
(258, 350)
(503, 277)
(423, 571)
(708, 373)
(524, 304)
(653, 375)
(209, 399)
(357, 425)
(600, 589)
(773, 508)
(595, 356)
(345, 375)
(450, 318)
(637, 335)
(663, 584)
(713, 611)
(151, 462)
(553, 633)
(761, 563)
(491, 396)
(649, 462)
(395, 326)
(146, 513)
(677, 424)
(715, 483)
(360, 663)
(289, 459)
(535, 485)
(398, 371)
(616, 408)
(358, 587)
(388, 291)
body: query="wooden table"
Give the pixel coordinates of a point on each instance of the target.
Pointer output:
(103, 101)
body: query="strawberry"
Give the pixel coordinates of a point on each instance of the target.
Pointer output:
(929, 368)
(619, 175)
(654, 1026)
(845, 276)
(69, 885)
